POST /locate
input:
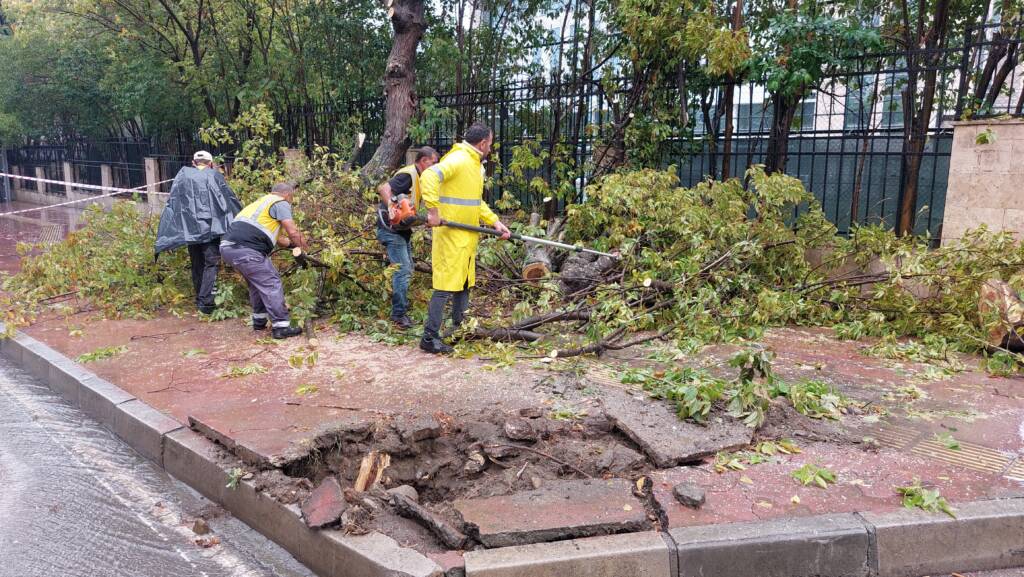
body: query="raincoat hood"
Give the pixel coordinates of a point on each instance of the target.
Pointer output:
(200, 208)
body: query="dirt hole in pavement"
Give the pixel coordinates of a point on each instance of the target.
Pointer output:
(447, 458)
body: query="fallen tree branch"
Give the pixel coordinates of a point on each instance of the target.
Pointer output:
(159, 335)
(538, 320)
(448, 535)
(508, 335)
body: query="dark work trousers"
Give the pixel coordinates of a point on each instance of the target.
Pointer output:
(435, 311)
(266, 293)
(205, 262)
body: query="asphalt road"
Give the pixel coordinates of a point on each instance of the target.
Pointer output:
(76, 501)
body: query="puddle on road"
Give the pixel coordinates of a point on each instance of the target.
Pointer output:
(76, 501)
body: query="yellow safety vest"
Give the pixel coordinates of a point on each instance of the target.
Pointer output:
(415, 175)
(258, 214)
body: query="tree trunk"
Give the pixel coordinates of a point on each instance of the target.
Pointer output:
(865, 145)
(730, 91)
(920, 115)
(399, 87)
(783, 110)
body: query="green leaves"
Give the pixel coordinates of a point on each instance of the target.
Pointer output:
(244, 371)
(816, 399)
(814, 474)
(916, 496)
(102, 353)
(948, 441)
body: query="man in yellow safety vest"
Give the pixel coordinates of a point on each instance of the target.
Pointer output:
(397, 237)
(453, 191)
(247, 245)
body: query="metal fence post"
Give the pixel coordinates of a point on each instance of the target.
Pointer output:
(106, 176)
(152, 178)
(5, 182)
(69, 177)
(965, 74)
(41, 175)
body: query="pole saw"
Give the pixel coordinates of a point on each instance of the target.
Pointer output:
(403, 214)
(525, 238)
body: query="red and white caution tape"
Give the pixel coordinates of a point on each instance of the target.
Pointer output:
(110, 191)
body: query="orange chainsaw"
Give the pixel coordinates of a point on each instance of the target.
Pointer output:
(402, 213)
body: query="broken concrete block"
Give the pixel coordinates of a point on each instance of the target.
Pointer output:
(496, 450)
(531, 412)
(475, 464)
(200, 527)
(667, 440)
(689, 494)
(420, 428)
(558, 510)
(325, 504)
(520, 430)
(407, 491)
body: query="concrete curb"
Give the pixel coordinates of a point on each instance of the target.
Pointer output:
(201, 464)
(985, 535)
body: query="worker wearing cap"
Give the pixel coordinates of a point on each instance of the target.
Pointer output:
(453, 191)
(247, 247)
(200, 208)
(397, 237)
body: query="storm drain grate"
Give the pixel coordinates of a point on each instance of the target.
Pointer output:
(969, 455)
(896, 437)
(51, 234)
(1017, 471)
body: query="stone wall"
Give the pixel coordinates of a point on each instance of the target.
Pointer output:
(986, 178)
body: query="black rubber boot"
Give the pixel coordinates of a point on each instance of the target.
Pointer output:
(259, 325)
(285, 332)
(403, 322)
(435, 346)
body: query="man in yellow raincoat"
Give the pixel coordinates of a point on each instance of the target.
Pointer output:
(453, 190)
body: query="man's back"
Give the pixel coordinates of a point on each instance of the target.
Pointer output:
(200, 208)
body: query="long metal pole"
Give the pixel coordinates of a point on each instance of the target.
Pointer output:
(525, 238)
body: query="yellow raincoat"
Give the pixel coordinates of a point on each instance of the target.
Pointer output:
(455, 186)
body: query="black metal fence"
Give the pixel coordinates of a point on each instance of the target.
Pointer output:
(847, 141)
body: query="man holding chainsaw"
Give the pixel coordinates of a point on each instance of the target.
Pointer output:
(453, 191)
(400, 199)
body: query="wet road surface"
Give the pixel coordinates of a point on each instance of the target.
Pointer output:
(76, 501)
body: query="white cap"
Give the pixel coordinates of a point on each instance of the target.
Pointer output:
(203, 155)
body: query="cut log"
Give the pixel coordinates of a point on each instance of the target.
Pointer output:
(582, 270)
(539, 258)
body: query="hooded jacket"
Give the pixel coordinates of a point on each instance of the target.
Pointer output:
(200, 208)
(455, 186)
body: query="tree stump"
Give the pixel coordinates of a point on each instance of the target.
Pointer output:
(1002, 314)
(539, 258)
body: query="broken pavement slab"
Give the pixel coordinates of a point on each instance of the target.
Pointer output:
(324, 505)
(558, 510)
(278, 435)
(665, 438)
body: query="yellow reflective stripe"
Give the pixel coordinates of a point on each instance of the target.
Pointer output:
(437, 170)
